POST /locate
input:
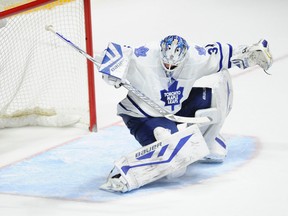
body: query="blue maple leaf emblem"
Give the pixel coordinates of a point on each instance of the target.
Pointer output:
(201, 50)
(173, 95)
(141, 51)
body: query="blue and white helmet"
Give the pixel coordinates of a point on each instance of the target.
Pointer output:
(173, 51)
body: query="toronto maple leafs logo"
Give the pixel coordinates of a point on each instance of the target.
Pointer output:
(141, 51)
(173, 96)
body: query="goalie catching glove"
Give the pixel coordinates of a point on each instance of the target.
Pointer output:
(257, 54)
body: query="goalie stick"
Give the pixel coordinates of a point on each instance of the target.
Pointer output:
(135, 91)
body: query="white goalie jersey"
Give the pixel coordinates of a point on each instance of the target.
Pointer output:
(142, 68)
(169, 91)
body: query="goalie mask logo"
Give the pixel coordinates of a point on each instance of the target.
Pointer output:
(173, 95)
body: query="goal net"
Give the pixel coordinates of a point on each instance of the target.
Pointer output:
(43, 81)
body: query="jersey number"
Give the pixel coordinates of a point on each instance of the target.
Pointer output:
(212, 49)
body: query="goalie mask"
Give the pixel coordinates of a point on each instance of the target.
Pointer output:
(173, 51)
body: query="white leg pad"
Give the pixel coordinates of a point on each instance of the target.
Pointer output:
(158, 160)
(222, 99)
(162, 133)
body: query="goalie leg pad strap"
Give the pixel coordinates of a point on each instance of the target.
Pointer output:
(161, 158)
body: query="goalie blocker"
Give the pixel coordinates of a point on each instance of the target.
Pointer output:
(157, 160)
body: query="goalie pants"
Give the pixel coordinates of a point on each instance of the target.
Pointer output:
(142, 128)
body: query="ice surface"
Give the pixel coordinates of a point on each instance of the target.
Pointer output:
(257, 187)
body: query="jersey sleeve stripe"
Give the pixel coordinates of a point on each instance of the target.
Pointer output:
(230, 56)
(120, 104)
(221, 57)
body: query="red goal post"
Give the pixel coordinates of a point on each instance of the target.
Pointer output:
(42, 80)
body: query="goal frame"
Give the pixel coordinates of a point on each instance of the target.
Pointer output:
(89, 48)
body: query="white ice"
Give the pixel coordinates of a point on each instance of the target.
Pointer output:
(259, 187)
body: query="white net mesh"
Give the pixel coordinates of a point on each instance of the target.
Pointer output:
(43, 81)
